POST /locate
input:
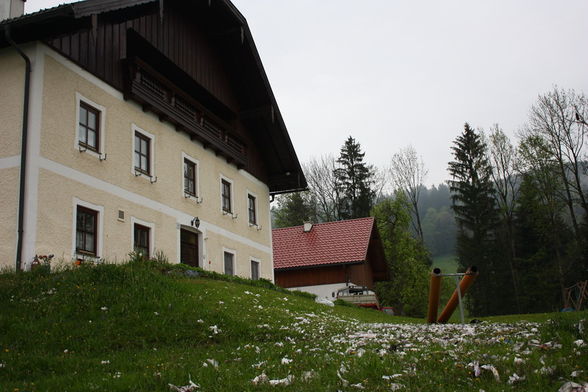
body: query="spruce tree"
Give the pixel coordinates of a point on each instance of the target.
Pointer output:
(294, 209)
(477, 218)
(354, 180)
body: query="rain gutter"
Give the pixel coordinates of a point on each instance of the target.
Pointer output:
(23, 150)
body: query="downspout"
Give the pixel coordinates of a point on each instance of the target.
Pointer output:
(23, 149)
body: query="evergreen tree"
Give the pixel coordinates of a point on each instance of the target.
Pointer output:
(293, 209)
(540, 251)
(477, 219)
(354, 181)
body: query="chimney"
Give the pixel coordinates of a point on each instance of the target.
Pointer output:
(307, 227)
(11, 9)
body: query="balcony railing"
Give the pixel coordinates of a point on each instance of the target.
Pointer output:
(160, 96)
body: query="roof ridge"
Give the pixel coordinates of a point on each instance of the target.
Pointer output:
(327, 223)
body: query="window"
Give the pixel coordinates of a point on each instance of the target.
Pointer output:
(226, 196)
(229, 263)
(142, 153)
(86, 231)
(89, 127)
(189, 177)
(251, 209)
(254, 270)
(141, 240)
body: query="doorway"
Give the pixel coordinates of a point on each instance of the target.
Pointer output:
(189, 248)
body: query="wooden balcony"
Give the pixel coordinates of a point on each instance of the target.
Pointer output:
(158, 95)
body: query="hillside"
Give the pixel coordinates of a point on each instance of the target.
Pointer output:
(144, 327)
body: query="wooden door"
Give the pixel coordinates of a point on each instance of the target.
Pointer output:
(189, 248)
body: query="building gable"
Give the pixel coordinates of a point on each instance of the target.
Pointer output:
(193, 63)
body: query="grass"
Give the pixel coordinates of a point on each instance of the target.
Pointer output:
(447, 263)
(142, 327)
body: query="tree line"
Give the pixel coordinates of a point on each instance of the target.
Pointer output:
(516, 210)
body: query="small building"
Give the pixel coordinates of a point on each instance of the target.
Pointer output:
(140, 125)
(326, 257)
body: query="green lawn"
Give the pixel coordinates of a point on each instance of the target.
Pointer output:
(447, 263)
(141, 328)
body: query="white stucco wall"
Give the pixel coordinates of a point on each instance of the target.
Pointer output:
(61, 174)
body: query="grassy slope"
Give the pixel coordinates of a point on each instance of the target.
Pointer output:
(122, 328)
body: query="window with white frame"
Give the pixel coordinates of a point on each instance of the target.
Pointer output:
(143, 153)
(190, 176)
(252, 209)
(226, 196)
(90, 119)
(87, 229)
(141, 240)
(229, 262)
(89, 127)
(254, 269)
(142, 237)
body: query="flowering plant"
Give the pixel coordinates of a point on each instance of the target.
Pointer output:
(42, 261)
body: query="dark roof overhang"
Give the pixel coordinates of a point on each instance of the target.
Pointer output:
(314, 266)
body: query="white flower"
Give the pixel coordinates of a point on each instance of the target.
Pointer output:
(515, 378)
(395, 386)
(308, 375)
(545, 370)
(573, 387)
(260, 379)
(215, 330)
(200, 321)
(283, 381)
(220, 302)
(518, 361)
(286, 361)
(258, 365)
(106, 362)
(358, 386)
(213, 362)
(579, 343)
(104, 308)
(186, 388)
(493, 370)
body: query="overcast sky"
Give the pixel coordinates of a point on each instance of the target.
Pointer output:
(397, 73)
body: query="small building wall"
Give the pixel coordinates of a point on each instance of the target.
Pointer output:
(327, 291)
(360, 274)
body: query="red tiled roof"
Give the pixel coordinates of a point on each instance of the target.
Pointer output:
(327, 243)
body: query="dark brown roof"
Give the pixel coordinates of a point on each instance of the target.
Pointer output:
(284, 170)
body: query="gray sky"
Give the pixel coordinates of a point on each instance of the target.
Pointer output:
(396, 73)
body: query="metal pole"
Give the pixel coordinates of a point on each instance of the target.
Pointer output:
(466, 282)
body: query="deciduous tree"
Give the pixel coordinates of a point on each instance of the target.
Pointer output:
(408, 173)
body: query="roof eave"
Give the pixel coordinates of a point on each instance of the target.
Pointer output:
(277, 269)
